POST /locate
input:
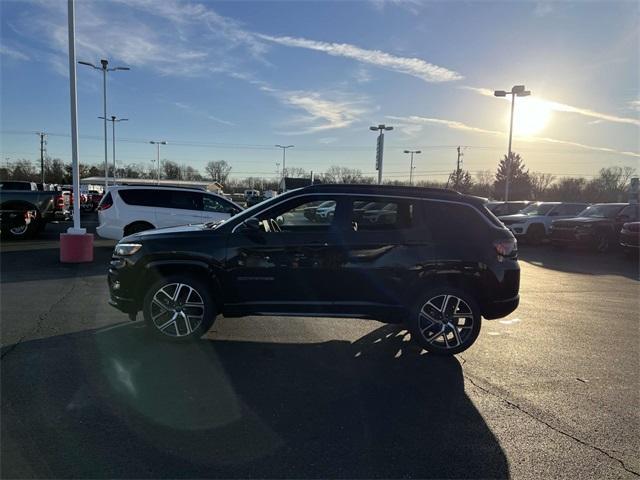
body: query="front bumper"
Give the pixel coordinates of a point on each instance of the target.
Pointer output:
(571, 236)
(120, 288)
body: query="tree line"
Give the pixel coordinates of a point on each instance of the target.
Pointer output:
(610, 185)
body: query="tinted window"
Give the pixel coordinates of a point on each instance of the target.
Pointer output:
(382, 214)
(455, 222)
(630, 211)
(143, 197)
(180, 199)
(569, 209)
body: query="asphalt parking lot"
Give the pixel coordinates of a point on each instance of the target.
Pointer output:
(550, 391)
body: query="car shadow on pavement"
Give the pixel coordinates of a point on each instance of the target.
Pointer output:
(44, 264)
(117, 403)
(581, 261)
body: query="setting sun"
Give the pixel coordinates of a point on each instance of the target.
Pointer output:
(530, 117)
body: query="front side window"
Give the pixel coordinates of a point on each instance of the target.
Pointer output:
(305, 213)
(602, 210)
(630, 211)
(213, 204)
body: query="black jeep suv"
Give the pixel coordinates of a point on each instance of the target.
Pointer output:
(437, 261)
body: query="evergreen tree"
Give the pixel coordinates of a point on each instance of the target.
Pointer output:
(520, 182)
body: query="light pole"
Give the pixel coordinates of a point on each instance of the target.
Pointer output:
(380, 147)
(516, 91)
(104, 67)
(157, 144)
(284, 156)
(412, 167)
(113, 121)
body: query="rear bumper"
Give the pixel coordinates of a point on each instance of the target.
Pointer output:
(500, 308)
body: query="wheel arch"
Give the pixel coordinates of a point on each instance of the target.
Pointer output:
(136, 222)
(157, 269)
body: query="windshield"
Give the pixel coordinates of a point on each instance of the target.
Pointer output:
(538, 209)
(602, 210)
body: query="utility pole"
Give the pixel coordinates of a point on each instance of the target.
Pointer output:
(157, 143)
(284, 157)
(113, 121)
(411, 167)
(43, 142)
(380, 147)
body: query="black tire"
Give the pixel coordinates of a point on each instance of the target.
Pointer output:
(468, 328)
(137, 227)
(601, 242)
(180, 330)
(535, 234)
(24, 231)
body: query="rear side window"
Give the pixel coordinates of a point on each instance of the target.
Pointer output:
(142, 197)
(382, 214)
(456, 222)
(180, 199)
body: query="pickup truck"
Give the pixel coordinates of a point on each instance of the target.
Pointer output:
(25, 211)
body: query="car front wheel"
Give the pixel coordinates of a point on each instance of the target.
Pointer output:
(179, 308)
(445, 321)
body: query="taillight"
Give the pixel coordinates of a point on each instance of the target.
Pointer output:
(106, 202)
(59, 200)
(506, 247)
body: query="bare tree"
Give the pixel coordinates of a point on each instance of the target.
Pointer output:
(171, 170)
(295, 172)
(218, 171)
(540, 183)
(338, 174)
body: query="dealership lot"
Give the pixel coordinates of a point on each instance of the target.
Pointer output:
(550, 391)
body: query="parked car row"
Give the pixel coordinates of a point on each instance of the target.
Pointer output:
(597, 226)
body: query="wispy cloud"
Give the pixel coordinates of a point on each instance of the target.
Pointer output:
(416, 67)
(634, 105)
(543, 8)
(13, 53)
(321, 113)
(563, 107)
(201, 113)
(455, 125)
(412, 5)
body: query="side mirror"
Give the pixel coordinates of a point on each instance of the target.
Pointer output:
(280, 220)
(252, 224)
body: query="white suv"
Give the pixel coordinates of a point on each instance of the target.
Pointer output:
(126, 210)
(533, 222)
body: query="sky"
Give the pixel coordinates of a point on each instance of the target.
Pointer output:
(229, 80)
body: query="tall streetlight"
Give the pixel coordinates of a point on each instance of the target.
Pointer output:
(157, 144)
(412, 167)
(284, 156)
(516, 91)
(104, 67)
(113, 121)
(380, 147)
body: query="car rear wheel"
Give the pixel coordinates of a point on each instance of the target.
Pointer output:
(25, 230)
(179, 308)
(445, 321)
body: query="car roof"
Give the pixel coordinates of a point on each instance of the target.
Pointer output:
(160, 187)
(394, 190)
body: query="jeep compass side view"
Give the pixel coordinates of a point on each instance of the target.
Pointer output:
(433, 259)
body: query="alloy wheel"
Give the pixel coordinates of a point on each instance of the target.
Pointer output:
(177, 310)
(446, 321)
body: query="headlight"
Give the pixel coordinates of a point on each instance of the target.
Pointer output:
(126, 249)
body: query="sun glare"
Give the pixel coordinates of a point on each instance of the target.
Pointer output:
(530, 117)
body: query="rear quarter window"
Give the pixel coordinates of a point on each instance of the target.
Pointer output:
(458, 222)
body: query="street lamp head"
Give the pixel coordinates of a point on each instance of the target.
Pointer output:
(418, 151)
(388, 128)
(407, 151)
(524, 94)
(113, 118)
(87, 63)
(122, 68)
(373, 129)
(104, 63)
(500, 93)
(517, 89)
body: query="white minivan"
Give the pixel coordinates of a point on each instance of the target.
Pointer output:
(126, 210)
